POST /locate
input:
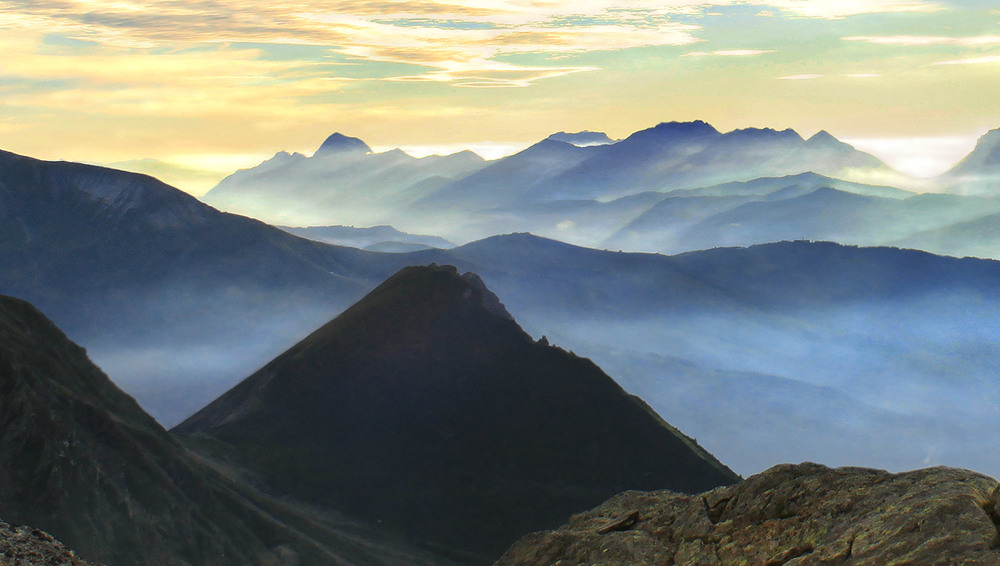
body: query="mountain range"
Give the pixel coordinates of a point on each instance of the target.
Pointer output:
(673, 188)
(345, 183)
(342, 183)
(423, 425)
(820, 331)
(397, 434)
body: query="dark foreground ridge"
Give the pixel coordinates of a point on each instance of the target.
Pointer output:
(425, 407)
(82, 461)
(798, 515)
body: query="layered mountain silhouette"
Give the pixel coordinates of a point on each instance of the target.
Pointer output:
(177, 314)
(344, 182)
(455, 196)
(159, 286)
(82, 461)
(375, 238)
(426, 407)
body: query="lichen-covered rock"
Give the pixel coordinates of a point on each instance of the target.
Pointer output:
(794, 515)
(26, 546)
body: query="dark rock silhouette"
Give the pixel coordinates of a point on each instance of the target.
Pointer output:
(427, 407)
(81, 460)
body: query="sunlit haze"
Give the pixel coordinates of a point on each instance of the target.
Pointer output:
(912, 81)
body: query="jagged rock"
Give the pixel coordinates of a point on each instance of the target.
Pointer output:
(27, 546)
(794, 515)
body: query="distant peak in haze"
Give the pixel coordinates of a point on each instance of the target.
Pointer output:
(339, 143)
(765, 133)
(669, 131)
(582, 139)
(699, 127)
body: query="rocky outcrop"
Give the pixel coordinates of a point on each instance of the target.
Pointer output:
(794, 515)
(25, 546)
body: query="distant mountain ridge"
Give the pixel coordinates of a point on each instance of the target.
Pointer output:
(343, 182)
(177, 313)
(453, 424)
(450, 195)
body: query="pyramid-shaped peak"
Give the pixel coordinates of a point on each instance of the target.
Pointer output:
(440, 285)
(824, 138)
(425, 403)
(339, 143)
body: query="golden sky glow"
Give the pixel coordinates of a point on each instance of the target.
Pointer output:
(224, 82)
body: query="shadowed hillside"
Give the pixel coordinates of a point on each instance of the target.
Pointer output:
(427, 407)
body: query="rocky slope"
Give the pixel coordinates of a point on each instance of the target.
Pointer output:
(797, 515)
(26, 546)
(425, 406)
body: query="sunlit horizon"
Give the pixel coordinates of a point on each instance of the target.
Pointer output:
(109, 82)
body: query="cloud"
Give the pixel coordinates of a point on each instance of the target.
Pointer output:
(971, 61)
(803, 77)
(838, 9)
(729, 53)
(923, 40)
(452, 40)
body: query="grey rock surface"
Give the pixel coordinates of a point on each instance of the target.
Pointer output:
(794, 515)
(27, 546)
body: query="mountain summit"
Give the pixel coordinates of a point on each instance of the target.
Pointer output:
(979, 172)
(339, 143)
(426, 406)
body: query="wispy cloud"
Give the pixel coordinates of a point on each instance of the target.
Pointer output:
(837, 9)
(452, 39)
(971, 61)
(921, 40)
(803, 77)
(729, 53)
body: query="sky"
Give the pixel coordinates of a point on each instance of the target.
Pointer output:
(222, 84)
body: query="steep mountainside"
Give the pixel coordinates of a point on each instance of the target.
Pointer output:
(158, 286)
(427, 407)
(798, 347)
(979, 172)
(803, 515)
(81, 460)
